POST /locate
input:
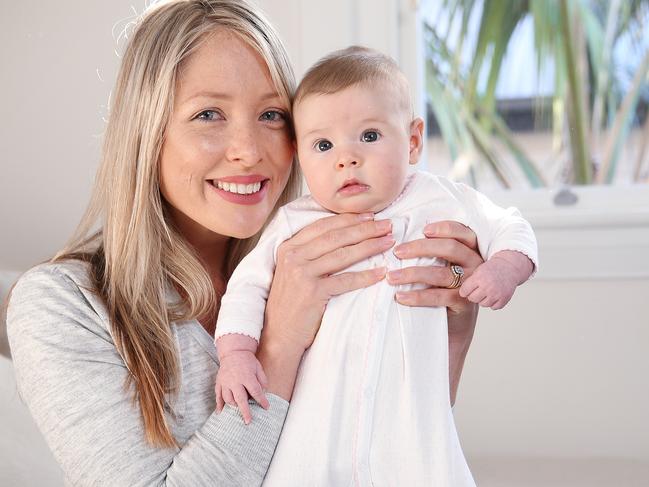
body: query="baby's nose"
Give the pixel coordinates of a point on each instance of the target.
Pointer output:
(347, 163)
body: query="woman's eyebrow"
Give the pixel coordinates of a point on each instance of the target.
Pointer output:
(225, 96)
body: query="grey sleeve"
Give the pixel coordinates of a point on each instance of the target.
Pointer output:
(72, 379)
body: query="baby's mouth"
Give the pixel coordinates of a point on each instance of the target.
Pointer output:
(353, 186)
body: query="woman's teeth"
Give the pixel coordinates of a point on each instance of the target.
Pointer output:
(239, 188)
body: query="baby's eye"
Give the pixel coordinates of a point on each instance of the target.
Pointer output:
(209, 115)
(273, 116)
(323, 145)
(370, 136)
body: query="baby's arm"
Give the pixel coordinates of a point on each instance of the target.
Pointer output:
(507, 242)
(240, 321)
(240, 374)
(493, 283)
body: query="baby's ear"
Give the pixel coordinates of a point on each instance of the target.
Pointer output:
(416, 140)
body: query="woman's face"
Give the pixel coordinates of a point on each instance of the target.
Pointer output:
(227, 151)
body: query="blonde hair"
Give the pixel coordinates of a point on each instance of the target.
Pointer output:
(137, 254)
(350, 66)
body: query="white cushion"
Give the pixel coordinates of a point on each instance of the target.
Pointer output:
(25, 459)
(7, 279)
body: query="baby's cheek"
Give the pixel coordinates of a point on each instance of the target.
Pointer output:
(393, 178)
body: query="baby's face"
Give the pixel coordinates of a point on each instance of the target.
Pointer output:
(354, 147)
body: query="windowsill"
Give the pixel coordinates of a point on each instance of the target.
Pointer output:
(595, 206)
(603, 235)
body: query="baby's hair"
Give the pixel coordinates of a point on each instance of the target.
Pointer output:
(350, 66)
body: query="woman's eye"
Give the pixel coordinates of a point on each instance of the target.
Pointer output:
(370, 136)
(323, 145)
(209, 115)
(273, 116)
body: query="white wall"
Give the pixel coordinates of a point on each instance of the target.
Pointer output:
(54, 57)
(560, 372)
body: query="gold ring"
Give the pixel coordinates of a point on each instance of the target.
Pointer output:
(458, 274)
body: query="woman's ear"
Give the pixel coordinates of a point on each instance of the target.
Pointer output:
(416, 140)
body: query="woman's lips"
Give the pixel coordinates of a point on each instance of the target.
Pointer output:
(238, 198)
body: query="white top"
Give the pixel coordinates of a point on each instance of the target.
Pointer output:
(380, 413)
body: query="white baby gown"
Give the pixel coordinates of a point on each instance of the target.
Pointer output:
(371, 402)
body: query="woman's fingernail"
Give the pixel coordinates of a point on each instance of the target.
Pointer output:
(399, 252)
(366, 217)
(380, 271)
(403, 298)
(388, 240)
(384, 225)
(394, 275)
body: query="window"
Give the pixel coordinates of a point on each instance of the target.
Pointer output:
(536, 94)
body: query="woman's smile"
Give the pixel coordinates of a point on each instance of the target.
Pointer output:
(242, 190)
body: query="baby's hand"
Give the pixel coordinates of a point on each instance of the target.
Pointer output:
(494, 282)
(239, 375)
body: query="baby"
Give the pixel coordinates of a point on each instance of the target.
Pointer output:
(371, 401)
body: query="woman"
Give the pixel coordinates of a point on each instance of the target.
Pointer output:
(112, 339)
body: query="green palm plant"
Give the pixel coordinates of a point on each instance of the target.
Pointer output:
(578, 38)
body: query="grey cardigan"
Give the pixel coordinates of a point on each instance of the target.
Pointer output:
(71, 377)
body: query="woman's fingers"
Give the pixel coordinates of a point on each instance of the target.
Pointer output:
(340, 239)
(303, 280)
(436, 276)
(454, 230)
(350, 281)
(445, 248)
(449, 298)
(327, 224)
(343, 257)
(430, 297)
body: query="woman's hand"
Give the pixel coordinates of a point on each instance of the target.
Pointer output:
(303, 284)
(447, 240)
(458, 244)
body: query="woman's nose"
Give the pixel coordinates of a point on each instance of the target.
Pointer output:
(243, 146)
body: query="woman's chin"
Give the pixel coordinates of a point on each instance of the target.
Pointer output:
(246, 230)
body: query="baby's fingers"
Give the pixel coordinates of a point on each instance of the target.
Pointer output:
(241, 397)
(502, 301)
(256, 391)
(228, 398)
(477, 295)
(219, 399)
(468, 287)
(488, 302)
(261, 377)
